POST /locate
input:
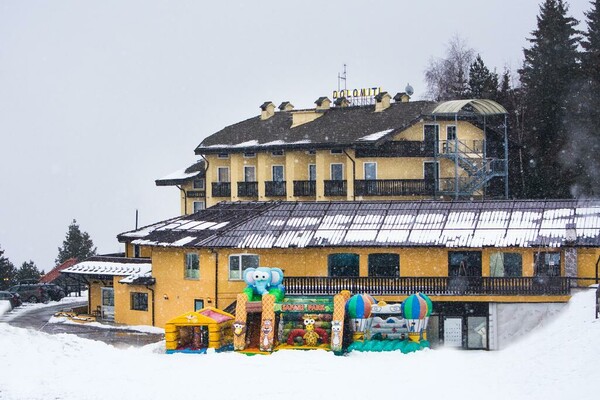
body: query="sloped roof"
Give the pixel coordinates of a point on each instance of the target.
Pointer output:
(477, 106)
(196, 170)
(55, 272)
(339, 126)
(255, 225)
(110, 266)
(208, 315)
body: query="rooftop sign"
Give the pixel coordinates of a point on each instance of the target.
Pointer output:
(358, 96)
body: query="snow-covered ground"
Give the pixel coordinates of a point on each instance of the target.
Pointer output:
(8, 314)
(558, 361)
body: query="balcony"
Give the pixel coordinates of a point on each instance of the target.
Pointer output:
(275, 188)
(393, 187)
(305, 188)
(398, 149)
(247, 189)
(335, 188)
(221, 189)
(435, 286)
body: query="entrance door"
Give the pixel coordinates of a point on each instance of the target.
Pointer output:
(453, 332)
(431, 136)
(108, 303)
(431, 174)
(467, 266)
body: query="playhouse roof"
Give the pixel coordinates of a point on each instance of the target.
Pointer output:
(467, 224)
(208, 315)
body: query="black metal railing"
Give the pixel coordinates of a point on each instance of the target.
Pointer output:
(393, 187)
(247, 189)
(305, 188)
(335, 188)
(431, 285)
(275, 188)
(398, 149)
(221, 189)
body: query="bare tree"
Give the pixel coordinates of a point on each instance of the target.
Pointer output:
(447, 78)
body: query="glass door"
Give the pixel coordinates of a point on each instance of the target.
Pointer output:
(108, 303)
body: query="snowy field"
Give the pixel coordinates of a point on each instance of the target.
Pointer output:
(558, 361)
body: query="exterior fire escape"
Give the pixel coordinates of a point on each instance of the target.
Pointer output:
(473, 168)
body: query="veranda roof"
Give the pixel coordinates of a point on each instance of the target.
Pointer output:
(478, 106)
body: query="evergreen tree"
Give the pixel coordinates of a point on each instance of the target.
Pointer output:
(77, 245)
(28, 272)
(7, 272)
(483, 84)
(549, 71)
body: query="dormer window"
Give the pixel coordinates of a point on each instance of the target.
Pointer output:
(223, 155)
(277, 153)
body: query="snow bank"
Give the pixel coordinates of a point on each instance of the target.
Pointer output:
(5, 307)
(556, 362)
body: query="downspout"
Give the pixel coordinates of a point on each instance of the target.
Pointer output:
(206, 164)
(597, 262)
(506, 159)
(152, 291)
(216, 278)
(353, 174)
(184, 199)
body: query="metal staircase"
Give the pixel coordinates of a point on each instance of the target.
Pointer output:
(470, 158)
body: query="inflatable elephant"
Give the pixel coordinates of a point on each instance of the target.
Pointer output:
(263, 280)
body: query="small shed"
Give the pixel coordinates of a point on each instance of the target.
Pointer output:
(196, 331)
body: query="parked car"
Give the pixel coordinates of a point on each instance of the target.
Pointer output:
(32, 293)
(14, 298)
(55, 292)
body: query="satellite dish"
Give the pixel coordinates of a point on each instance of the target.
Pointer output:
(409, 89)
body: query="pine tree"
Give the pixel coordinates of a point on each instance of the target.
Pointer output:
(549, 70)
(7, 272)
(77, 245)
(28, 272)
(483, 84)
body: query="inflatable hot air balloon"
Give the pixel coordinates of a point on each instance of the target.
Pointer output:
(358, 309)
(416, 310)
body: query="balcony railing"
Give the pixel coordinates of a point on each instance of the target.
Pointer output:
(436, 285)
(275, 188)
(305, 188)
(398, 149)
(335, 188)
(247, 189)
(221, 189)
(393, 187)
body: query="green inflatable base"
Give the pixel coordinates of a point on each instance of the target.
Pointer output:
(405, 346)
(252, 296)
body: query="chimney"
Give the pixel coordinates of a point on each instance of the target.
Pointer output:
(341, 102)
(323, 103)
(286, 106)
(401, 98)
(382, 101)
(267, 110)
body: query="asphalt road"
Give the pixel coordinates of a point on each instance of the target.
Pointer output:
(37, 319)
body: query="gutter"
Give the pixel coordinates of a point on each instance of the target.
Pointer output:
(152, 291)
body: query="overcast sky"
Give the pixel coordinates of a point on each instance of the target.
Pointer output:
(100, 98)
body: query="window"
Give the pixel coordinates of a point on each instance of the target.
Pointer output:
(312, 172)
(238, 263)
(137, 251)
(278, 173)
(198, 206)
(506, 264)
(384, 265)
(431, 133)
(198, 304)
(343, 264)
(249, 173)
(249, 155)
(192, 266)
(223, 174)
(277, 153)
(337, 172)
(370, 170)
(223, 155)
(451, 132)
(336, 151)
(547, 264)
(477, 333)
(139, 301)
(198, 183)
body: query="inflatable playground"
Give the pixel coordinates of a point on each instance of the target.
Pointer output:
(266, 321)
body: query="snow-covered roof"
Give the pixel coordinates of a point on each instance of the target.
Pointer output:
(111, 266)
(196, 170)
(253, 225)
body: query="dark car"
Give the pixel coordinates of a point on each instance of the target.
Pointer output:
(55, 292)
(32, 293)
(14, 298)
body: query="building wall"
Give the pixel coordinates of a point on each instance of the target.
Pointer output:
(123, 312)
